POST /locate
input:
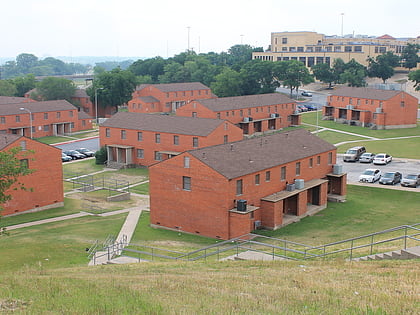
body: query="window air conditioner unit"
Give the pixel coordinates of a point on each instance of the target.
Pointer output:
(349, 107)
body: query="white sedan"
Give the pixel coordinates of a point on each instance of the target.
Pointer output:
(382, 158)
(370, 175)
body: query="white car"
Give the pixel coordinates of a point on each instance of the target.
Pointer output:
(367, 157)
(382, 158)
(306, 93)
(370, 175)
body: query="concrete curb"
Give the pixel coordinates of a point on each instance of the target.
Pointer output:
(75, 140)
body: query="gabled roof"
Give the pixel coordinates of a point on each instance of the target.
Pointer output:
(163, 123)
(36, 107)
(80, 93)
(244, 157)
(7, 139)
(13, 100)
(366, 93)
(83, 115)
(239, 102)
(149, 99)
(386, 36)
(176, 87)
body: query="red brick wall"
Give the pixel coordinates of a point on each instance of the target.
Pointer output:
(45, 185)
(149, 145)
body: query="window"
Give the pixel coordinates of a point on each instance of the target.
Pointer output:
(233, 113)
(123, 134)
(158, 156)
(46, 127)
(24, 163)
(284, 40)
(71, 113)
(17, 118)
(186, 162)
(267, 176)
(195, 142)
(298, 169)
(23, 145)
(186, 183)
(139, 136)
(176, 140)
(283, 173)
(45, 116)
(225, 139)
(318, 159)
(249, 111)
(107, 132)
(358, 101)
(402, 104)
(329, 157)
(194, 114)
(241, 112)
(157, 138)
(140, 153)
(257, 179)
(350, 101)
(218, 115)
(58, 114)
(300, 49)
(358, 48)
(311, 162)
(347, 48)
(2, 120)
(83, 123)
(227, 114)
(72, 125)
(239, 189)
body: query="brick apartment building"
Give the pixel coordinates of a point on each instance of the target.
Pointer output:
(151, 98)
(252, 113)
(228, 190)
(48, 118)
(145, 139)
(378, 109)
(44, 186)
(82, 99)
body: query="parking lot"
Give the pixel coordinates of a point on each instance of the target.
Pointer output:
(404, 166)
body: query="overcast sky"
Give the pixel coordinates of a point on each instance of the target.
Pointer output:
(144, 28)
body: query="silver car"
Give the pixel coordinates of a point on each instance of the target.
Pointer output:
(366, 157)
(411, 180)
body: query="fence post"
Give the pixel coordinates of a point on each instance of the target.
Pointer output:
(285, 251)
(108, 254)
(405, 238)
(351, 250)
(371, 245)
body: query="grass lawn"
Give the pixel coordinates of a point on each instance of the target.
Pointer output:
(58, 139)
(82, 167)
(367, 210)
(407, 148)
(336, 137)
(142, 189)
(310, 118)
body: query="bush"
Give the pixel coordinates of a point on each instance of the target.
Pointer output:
(101, 156)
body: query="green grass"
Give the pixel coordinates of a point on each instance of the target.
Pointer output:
(142, 189)
(82, 167)
(404, 148)
(367, 210)
(53, 139)
(310, 118)
(336, 137)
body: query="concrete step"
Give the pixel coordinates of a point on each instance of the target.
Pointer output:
(388, 255)
(396, 254)
(411, 253)
(379, 256)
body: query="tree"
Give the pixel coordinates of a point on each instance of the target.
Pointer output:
(338, 68)
(54, 89)
(354, 74)
(295, 74)
(101, 156)
(24, 62)
(7, 88)
(415, 77)
(227, 83)
(258, 77)
(409, 56)
(324, 73)
(114, 88)
(24, 84)
(383, 65)
(153, 67)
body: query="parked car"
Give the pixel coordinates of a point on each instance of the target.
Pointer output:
(65, 157)
(86, 152)
(301, 108)
(390, 178)
(382, 158)
(370, 175)
(366, 157)
(353, 154)
(74, 154)
(311, 107)
(306, 93)
(411, 180)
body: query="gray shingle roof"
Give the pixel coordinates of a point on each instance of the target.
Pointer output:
(13, 100)
(239, 102)
(149, 99)
(244, 157)
(365, 93)
(176, 87)
(7, 139)
(83, 115)
(36, 107)
(163, 123)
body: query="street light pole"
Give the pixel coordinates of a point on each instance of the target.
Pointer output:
(30, 119)
(96, 104)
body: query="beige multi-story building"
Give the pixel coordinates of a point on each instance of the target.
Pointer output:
(312, 48)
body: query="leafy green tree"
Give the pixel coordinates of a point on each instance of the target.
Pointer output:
(52, 88)
(258, 77)
(24, 62)
(175, 72)
(7, 88)
(415, 77)
(227, 83)
(339, 66)
(153, 67)
(114, 88)
(101, 156)
(354, 74)
(9, 70)
(410, 56)
(383, 65)
(324, 73)
(295, 75)
(54, 65)
(24, 84)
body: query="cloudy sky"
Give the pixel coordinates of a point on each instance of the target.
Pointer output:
(140, 28)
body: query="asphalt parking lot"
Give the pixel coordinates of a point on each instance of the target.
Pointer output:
(404, 166)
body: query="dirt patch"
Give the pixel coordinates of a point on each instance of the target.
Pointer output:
(12, 305)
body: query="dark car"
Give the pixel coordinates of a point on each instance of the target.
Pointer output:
(301, 108)
(86, 152)
(74, 154)
(311, 107)
(390, 178)
(65, 157)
